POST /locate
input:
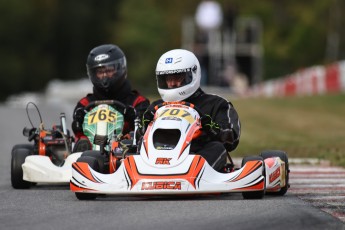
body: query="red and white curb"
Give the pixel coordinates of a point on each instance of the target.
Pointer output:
(322, 186)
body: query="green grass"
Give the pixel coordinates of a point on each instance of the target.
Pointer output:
(312, 126)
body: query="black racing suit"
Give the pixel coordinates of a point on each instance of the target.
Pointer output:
(213, 146)
(125, 95)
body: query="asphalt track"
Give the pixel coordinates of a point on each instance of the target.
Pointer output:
(55, 207)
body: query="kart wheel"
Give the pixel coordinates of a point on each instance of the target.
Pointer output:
(24, 146)
(255, 194)
(283, 156)
(100, 158)
(85, 196)
(18, 158)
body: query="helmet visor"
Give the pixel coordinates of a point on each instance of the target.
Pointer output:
(109, 69)
(105, 71)
(174, 80)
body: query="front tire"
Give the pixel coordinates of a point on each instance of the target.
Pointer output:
(17, 160)
(283, 156)
(93, 163)
(254, 194)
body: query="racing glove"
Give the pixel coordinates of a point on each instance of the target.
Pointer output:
(209, 126)
(213, 129)
(146, 119)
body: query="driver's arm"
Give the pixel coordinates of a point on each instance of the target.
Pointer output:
(223, 125)
(78, 118)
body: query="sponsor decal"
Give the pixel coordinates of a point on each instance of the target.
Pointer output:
(273, 176)
(165, 147)
(173, 71)
(101, 57)
(168, 60)
(161, 185)
(163, 161)
(178, 113)
(171, 118)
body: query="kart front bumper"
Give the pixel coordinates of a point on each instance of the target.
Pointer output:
(199, 178)
(40, 169)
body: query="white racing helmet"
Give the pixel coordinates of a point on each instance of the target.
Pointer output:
(181, 63)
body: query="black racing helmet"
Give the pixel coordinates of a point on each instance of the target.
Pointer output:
(107, 56)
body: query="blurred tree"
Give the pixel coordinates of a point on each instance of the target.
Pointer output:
(80, 26)
(295, 33)
(41, 40)
(147, 29)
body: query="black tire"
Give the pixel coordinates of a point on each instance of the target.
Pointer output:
(17, 159)
(255, 194)
(92, 161)
(283, 156)
(24, 146)
(85, 196)
(94, 165)
(102, 159)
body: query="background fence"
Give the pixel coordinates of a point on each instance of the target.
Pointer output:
(314, 80)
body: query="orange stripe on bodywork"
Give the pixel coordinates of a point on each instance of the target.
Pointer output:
(112, 163)
(189, 137)
(146, 136)
(249, 167)
(76, 188)
(258, 186)
(83, 169)
(191, 175)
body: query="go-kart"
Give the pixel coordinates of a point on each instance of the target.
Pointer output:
(164, 164)
(47, 160)
(50, 158)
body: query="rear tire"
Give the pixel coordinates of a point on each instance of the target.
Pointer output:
(101, 159)
(24, 146)
(93, 163)
(255, 194)
(283, 156)
(17, 160)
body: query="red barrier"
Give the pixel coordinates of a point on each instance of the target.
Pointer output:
(333, 78)
(290, 86)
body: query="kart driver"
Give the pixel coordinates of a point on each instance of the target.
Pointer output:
(178, 76)
(107, 69)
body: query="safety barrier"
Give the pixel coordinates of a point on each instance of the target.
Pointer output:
(310, 81)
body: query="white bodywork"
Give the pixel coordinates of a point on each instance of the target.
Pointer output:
(40, 169)
(170, 169)
(275, 174)
(181, 179)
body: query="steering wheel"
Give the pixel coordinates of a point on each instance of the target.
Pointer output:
(116, 104)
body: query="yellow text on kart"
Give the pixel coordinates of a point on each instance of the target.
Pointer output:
(102, 115)
(181, 113)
